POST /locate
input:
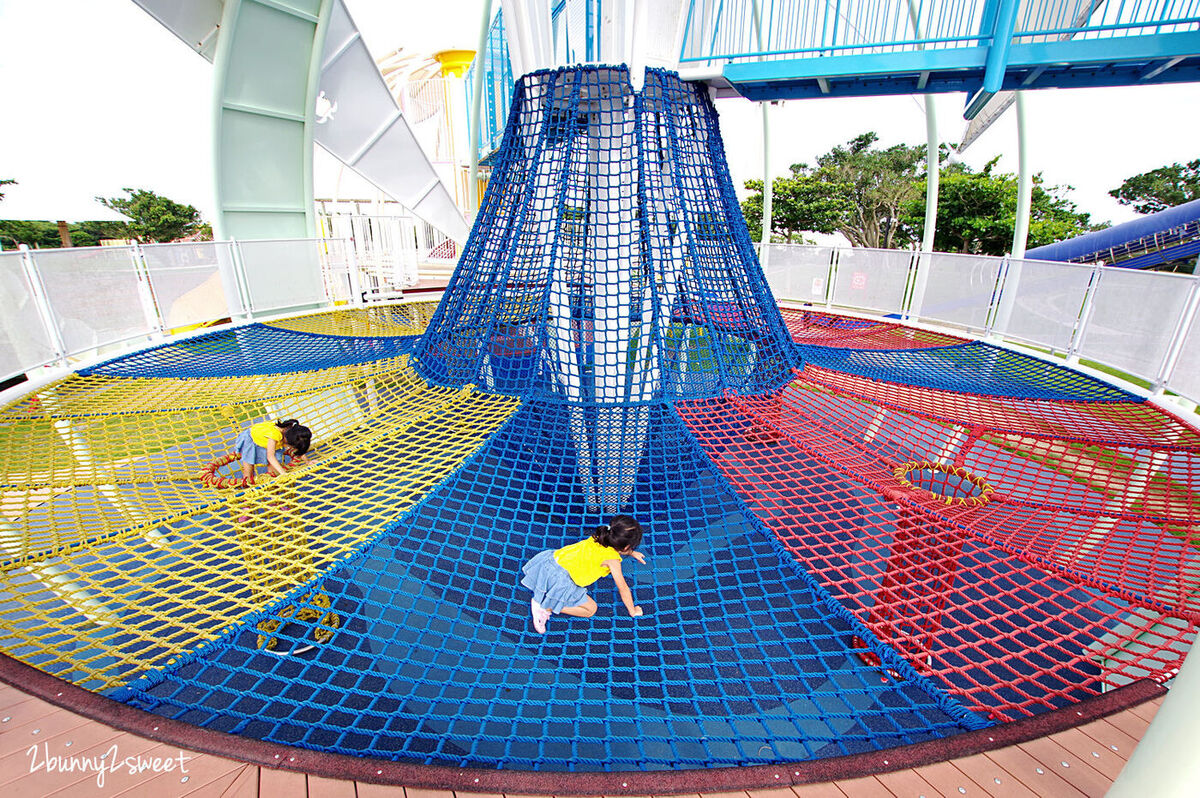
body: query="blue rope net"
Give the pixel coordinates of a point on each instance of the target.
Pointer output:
(740, 659)
(975, 368)
(610, 262)
(252, 350)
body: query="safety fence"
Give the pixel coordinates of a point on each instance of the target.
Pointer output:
(1141, 323)
(74, 303)
(83, 301)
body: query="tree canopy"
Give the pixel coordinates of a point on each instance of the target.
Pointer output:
(153, 217)
(798, 204)
(880, 182)
(6, 182)
(1161, 188)
(977, 212)
(875, 197)
(855, 189)
(44, 235)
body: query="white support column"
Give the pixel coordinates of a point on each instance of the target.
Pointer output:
(932, 174)
(932, 165)
(768, 192)
(1024, 184)
(485, 24)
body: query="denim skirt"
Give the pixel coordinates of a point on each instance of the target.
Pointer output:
(552, 586)
(249, 451)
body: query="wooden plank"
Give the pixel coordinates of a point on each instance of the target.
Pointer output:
(1086, 779)
(11, 696)
(273, 782)
(418, 793)
(218, 788)
(367, 790)
(995, 779)
(1129, 723)
(1112, 738)
(946, 779)
(826, 790)
(15, 719)
(1032, 773)
(321, 787)
(778, 792)
(866, 787)
(907, 783)
(1146, 711)
(245, 786)
(1084, 747)
(18, 738)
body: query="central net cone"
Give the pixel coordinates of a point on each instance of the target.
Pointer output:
(610, 264)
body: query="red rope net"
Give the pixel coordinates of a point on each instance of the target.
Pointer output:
(1024, 568)
(826, 329)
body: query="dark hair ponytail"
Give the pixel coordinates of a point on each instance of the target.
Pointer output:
(295, 434)
(622, 532)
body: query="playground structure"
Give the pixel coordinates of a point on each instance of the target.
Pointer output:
(946, 533)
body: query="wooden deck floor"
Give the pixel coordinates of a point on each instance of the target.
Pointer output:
(39, 741)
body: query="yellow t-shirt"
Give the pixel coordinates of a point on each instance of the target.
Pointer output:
(585, 560)
(266, 431)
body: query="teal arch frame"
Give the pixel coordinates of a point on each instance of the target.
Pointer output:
(268, 62)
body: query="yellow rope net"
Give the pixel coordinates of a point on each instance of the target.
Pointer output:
(407, 319)
(116, 558)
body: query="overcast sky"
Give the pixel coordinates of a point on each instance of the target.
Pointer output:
(97, 96)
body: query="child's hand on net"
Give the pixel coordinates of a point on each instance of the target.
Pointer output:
(637, 555)
(636, 612)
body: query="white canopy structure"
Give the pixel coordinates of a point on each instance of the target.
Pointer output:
(288, 77)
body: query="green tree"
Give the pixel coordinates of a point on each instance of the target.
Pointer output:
(798, 204)
(39, 234)
(877, 184)
(977, 211)
(6, 182)
(153, 217)
(1161, 188)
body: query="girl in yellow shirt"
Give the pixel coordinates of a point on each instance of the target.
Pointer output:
(264, 443)
(558, 578)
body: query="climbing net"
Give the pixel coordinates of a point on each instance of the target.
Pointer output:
(860, 535)
(103, 503)
(1023, 568)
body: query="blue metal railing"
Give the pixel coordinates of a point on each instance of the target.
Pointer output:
(724, 30)
(971, 41)
(498, 82)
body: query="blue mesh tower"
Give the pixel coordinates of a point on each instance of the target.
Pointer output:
(609, 267)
